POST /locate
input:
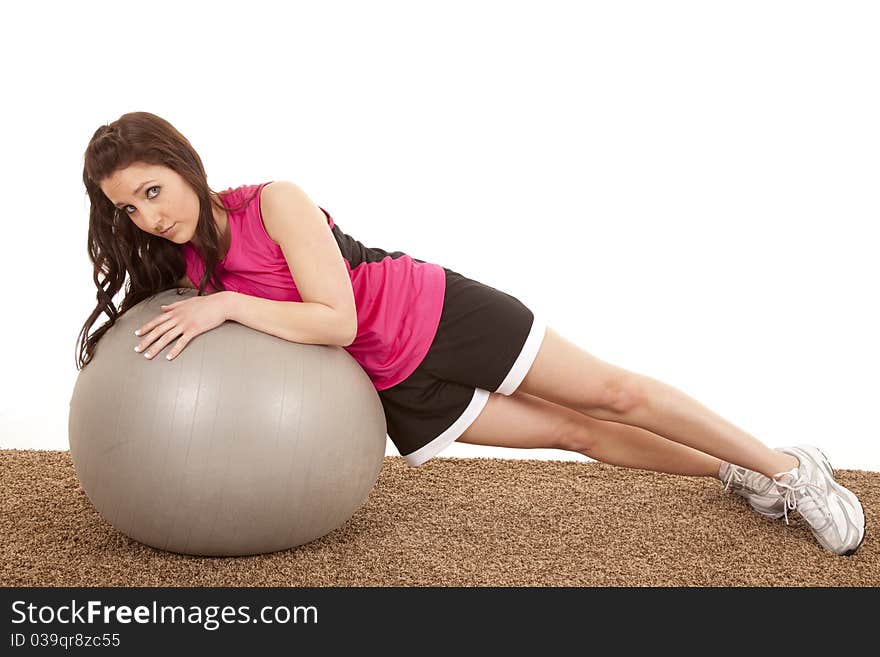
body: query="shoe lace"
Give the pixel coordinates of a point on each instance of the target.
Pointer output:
(807, 505)
(734, 478)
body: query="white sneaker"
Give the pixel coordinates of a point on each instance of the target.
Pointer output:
(834, 514)
(760, 491)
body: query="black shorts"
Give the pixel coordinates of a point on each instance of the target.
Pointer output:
(486, 341)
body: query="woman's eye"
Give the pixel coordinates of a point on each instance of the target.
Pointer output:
(148, 196)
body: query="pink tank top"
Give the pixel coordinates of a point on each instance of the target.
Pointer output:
(398, 298)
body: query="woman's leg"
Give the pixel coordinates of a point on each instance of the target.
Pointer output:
(566, 375)
(634, 447)
(524, 421)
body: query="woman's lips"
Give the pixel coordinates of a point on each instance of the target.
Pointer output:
(168, 231)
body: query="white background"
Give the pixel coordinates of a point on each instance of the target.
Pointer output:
(686, 189)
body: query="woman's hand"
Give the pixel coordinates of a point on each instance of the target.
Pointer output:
(186, 319)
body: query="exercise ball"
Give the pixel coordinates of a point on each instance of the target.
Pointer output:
(243, 443)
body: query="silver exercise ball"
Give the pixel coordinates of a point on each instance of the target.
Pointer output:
(244, 443)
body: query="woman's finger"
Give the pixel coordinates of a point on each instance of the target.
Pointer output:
(181, 343)
(163, 341)
(152, 323)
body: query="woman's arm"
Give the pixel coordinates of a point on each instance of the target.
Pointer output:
(297, 321)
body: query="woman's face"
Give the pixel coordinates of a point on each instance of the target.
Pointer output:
(155, 198)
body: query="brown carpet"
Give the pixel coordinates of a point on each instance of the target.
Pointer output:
(455, 522)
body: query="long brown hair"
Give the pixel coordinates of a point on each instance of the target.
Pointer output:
(115, 245)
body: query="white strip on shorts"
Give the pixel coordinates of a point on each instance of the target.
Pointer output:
(478, 401)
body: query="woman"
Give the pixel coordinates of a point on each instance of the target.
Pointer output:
(452, 359)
